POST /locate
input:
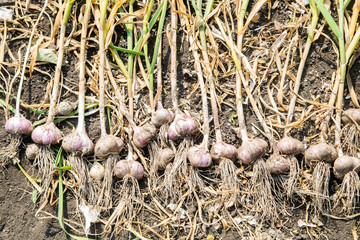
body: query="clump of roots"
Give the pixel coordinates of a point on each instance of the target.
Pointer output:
(163, 134)
(8, 153)
(227, 171)
(349, 192)
(154, 155)
(261, 188)
(194, 181)
(130, 201)
(86, 188)
(175, 173)
(292, 179)
(320, 187)
(45, 162)
(351, 140)
(104, 199)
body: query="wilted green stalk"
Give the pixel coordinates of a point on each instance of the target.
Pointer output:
(310, 38)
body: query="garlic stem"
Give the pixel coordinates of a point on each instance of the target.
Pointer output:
(17, 108)
(173, 56)
(103, 9)
(82, 69)
(55, 89)
(119, 96)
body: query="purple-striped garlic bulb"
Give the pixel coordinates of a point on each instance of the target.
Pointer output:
(181, 126)
(223, 150)
(131, 168)
(289, 146)
(345, 164)
(78, 142)
(320, 152)
(278, 164)
(251, 150)
(199, 157)
(46, 134)
(162, 116)
(18, 125)
(144, 134)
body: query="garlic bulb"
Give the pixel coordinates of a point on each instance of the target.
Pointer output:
(223, 150)
(18, 125)
(251, 150)
(46, 134)
(162, 116)
(345, 164)
(31, 151)
(125, 168)
(144, 134)
(289, 145)
(181, 126)
(97, 171)
(64, 108)
(107, 145)
(278, 164)
(78, 142)
(164, 158)
(354, 113)
(199, 157)
(320, 152)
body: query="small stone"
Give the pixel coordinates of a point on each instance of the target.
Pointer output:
(210, 237)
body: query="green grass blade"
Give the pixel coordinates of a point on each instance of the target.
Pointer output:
(120, 63)
(329, 19)
(125, 50)
(353, 44)
(158, 36)
(2, 102)
(209, 6)
(151, 25)
(197, 10)
(346, 3)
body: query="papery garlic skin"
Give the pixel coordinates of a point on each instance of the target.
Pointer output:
(131, 168)
(144, 134)
(172, 132)
(199, 157)
(320, 152)
(251, 150)
(107, 145)
(46, 134)
(97, 171)
(354, 113)
(289, 145)
(79, 143)
(162, 116)
(18, 125)
(31, 151)
(345, 164)
(278, 164)
(182, 126)
(223, 150)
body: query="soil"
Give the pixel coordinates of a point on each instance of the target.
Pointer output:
(17, 210)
